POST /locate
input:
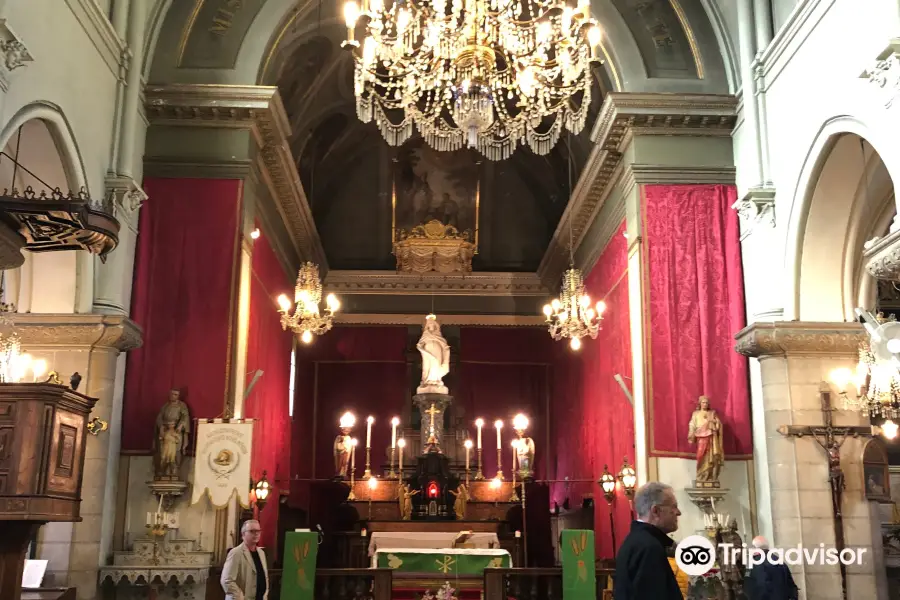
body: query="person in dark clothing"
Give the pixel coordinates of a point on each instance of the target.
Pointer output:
(768, 581)
(642, 566)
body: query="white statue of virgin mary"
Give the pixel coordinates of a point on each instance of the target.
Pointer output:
(435, 358)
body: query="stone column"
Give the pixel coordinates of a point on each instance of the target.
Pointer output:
(114, 278)
(794, 359)
(89, 345)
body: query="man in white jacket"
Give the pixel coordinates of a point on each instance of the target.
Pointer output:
(245, 575)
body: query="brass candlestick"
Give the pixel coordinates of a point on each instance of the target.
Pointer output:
(392, 474)
(500, 464)
(352, 496)
(368, 472)
(479, 475)
(515, 496)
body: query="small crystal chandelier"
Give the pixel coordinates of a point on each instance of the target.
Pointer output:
(307, 319)
(487, 74)
(571, 315)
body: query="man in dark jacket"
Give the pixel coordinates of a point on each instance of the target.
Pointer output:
(642, 566)
(768, 581)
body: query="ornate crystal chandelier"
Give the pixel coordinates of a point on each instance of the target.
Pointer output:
(877, 384)
(306, 318)
(571, 315)
(487, 74)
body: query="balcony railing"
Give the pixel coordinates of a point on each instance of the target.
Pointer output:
(343, 584)
(534, 584)
(499, 584)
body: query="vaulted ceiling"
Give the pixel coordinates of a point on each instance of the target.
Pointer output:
(348, 172)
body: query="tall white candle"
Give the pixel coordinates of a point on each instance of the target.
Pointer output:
(369, 422)
(159, 508)
(394, 422)
(402, 446)
(352, 454)
(499, 425)
(468, 446)
(479, 424)
(514, 456)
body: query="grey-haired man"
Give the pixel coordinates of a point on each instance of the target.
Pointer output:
(245, 575)
(642, 565)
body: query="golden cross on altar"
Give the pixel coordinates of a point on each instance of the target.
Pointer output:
(432, 411)
(444, 566)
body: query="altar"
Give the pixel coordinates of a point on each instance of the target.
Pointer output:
(449, 563)
(435, 540)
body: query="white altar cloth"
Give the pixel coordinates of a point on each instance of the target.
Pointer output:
(427, 539)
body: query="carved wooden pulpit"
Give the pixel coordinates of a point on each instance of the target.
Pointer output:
(43, 429)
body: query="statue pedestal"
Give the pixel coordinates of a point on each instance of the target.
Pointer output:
(169, 489)
(425, 402)
(706, 497)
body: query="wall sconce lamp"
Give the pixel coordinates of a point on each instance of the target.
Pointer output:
(261, 489)
(96, 425)
(628, 478)
(608, 483)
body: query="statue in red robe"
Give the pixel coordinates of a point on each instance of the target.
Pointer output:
(705, 429)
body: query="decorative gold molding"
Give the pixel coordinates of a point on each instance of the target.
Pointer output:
(783, 338)
(882, 256)
(459, 320)
(115, 332)
(622, 116)
(449, 284)
(260, 110)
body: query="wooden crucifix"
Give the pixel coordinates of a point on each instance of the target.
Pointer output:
(831, 437)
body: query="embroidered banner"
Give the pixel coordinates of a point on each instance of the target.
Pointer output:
(298, 577)
(222, 461)
(579, 576)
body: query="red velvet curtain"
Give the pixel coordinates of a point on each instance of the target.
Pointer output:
(184, 286)
(350, 368)
(504, 371)
(379, 389)
(694, 303)
(593, 421)
(269, 350)
(494, 390)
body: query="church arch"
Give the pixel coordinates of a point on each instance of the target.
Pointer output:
(634, 37)
(840, 198)
(52, 282)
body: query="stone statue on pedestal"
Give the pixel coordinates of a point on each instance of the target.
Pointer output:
(705, 429)
(435, 358)
(170, 439)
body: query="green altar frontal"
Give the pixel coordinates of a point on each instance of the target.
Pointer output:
(457, 562)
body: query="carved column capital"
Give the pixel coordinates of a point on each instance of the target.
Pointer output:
(124, 196)
(112, 332)
(884, 74)
(882, 256)
(756, 209)
(783, 338)
(13, 52)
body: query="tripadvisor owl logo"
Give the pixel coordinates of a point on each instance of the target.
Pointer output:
(695, 555)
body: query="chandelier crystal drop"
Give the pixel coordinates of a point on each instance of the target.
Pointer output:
(307, 319)
(484, 74)
(571, 315)
(877, 384)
